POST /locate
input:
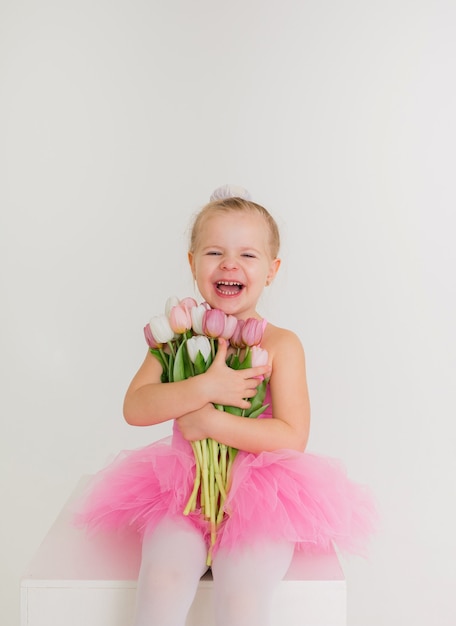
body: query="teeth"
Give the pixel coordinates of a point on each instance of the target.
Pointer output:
(229, 283)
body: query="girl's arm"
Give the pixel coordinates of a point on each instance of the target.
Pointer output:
(149, 401)
(289, 427)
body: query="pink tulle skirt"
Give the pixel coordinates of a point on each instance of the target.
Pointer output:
(281, 495)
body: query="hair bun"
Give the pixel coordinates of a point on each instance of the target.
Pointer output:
(230, 191)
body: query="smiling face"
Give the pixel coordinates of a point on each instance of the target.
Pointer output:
(232, 261)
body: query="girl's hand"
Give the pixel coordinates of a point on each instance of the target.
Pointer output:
(231, 387)
(192, 425)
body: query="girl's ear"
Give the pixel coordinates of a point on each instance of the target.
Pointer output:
(191, 261)
(274, 268)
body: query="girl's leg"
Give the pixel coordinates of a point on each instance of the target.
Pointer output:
(245, 579)
(173, 560)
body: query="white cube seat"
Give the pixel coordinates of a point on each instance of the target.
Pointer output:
(76, 579)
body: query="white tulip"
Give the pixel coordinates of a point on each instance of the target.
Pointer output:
(161, 329)
(172, 301)
(197, 313)
(198, 343)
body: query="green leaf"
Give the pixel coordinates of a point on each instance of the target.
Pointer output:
(258, 412)
(163, 359)
(235, 363)
(234, 410)
(188, 365)
(171, 369)
(258, 398)
(247, 362)
(179, 364)
(200, 363)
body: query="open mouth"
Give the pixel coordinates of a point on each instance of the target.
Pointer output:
(229, 287)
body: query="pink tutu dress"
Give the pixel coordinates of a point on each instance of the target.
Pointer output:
(281, 495)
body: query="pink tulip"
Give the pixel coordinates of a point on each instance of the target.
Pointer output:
(236, 337)
(252, 332)
(230, 326)
(214, 323)
(260, 356)
(150, 338)
(188, 302)
(180, 319)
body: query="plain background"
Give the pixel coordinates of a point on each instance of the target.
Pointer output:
(117, 119)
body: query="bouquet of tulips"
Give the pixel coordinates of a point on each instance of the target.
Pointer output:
(184, 339)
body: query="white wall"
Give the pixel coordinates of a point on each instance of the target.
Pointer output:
(117, 119)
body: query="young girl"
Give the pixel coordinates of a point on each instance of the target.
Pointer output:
(279, 497)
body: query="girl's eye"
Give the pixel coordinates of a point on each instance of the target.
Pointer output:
(213, 253)
(249, 255)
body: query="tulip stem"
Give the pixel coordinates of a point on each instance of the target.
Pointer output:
(223, 453)
(205, 478)
(217, 470)
(191, 504)
(231, 456)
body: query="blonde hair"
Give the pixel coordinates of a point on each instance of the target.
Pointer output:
(240, 205)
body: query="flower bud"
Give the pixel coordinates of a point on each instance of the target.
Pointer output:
(197, 314)
(150, 339)
(260, 356)
(214, 323)
(180, 319)
(161, 329)
(188, 302)
(171, 301)
(252, 332)
(230, 326)
(198, 343)
(236, 337)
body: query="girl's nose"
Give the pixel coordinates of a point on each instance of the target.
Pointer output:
(228, 263)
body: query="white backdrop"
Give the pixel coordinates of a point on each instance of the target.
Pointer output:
(117, 119)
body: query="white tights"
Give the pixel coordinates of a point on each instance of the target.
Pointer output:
(173, 561)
